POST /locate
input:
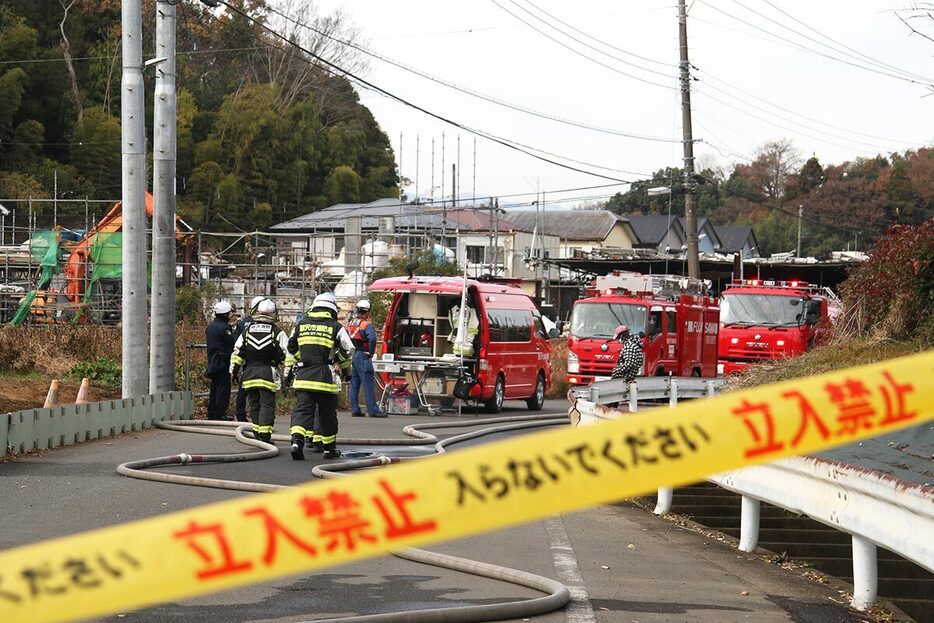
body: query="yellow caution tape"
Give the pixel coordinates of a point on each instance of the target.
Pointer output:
(326, 523)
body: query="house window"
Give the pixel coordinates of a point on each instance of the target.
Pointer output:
(475, 254)
(493, 255)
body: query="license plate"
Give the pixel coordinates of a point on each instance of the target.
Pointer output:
(433, 386)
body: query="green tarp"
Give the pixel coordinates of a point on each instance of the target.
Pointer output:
(46, 249)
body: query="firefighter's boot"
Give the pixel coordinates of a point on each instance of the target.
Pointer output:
(264, 437)
(298, 447)
(317, 446)
(331, 451)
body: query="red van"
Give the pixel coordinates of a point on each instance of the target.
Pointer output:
(510, 351)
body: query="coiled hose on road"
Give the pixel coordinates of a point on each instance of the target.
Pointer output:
(556, 593)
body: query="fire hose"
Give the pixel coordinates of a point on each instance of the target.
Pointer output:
(556, 593)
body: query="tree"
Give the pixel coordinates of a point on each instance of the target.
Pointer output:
(343, 185)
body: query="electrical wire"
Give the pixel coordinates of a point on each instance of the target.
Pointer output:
(584, 43)
(600, 41)
(468, 90)
(581, 54)
(813, 51)
(856, 53)
(371, 86)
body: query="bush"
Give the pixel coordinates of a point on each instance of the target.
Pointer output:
(892, 294)
(101, 372)
(559, 368)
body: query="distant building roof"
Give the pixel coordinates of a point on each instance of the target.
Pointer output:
(651, 229)
(733, 238)
(335, 217)
(568, 224)
(704, 223)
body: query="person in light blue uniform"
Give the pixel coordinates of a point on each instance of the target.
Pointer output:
(363, 336)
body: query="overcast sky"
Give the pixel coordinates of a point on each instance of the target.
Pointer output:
(478, 45)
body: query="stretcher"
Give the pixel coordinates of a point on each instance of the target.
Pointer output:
(427, 376)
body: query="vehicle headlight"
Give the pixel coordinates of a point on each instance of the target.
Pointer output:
(734, 340)
(779, 342)
(573, 363)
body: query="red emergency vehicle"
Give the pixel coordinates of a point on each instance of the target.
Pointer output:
(680, 327)
(765, 319)
(512, 353)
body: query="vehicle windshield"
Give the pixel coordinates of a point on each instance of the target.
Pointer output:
(599, 320)
(764, 310)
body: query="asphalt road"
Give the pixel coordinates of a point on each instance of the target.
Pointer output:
(622, 564)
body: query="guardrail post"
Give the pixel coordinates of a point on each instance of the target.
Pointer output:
(633, 398)
(865, 573)
(595, 395)
(711, 390)
(666, 494)
(749, 524)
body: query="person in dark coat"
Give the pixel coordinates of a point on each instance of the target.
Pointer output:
(629, 364)
(220, 340)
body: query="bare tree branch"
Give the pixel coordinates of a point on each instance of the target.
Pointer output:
(66, 52)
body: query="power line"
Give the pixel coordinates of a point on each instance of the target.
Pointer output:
(600, 41)
(369, 85)
(581, 54)
(813, 51)
(107, 58)
(857, 54)
(469, 91)
(802, 115)
(584, 43)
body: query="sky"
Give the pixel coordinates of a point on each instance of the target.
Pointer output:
(750, 87)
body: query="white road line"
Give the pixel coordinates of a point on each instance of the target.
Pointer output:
(579, 609)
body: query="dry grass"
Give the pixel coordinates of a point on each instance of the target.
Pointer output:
(559, 368)
(854, 352)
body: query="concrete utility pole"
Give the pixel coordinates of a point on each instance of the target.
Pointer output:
(162, 332)
(690, 187)
(800, 216)
(133, 145)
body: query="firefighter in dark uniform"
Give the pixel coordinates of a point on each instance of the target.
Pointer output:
(220, 343)
(319, 353)
(242, 325)
(255, 360)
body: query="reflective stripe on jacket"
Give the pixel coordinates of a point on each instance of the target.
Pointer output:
(317, 341)
(259, 350)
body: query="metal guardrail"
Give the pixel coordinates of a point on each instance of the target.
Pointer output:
(64, 425)
(876, 509)
(648, 388)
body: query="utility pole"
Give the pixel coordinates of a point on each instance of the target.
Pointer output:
(162, 316)
(690, 220)
(800, 215)
(135, 346)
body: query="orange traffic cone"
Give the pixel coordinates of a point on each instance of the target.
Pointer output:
(84, 392)
(51, 398)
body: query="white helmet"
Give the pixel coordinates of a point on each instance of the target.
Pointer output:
(363, 305)
(266, 307)
(326, 300)
(255, 301)
(222, 307)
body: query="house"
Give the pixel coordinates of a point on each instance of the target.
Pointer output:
(707, 239)
(738, 239)
(665, 234)
(577, 229)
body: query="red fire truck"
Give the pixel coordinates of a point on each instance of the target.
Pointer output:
(679, 327)
(762, 320)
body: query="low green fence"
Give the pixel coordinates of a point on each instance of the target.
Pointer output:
(64, 425)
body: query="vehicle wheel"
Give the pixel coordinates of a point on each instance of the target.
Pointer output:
(495, 404)
(661, 371)
(695, 373)
(537, 401)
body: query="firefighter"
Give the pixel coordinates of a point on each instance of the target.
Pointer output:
(629, 364)
(363, 336)
(319, 355)
(220, 343)
(254, 364)
(242, 326)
